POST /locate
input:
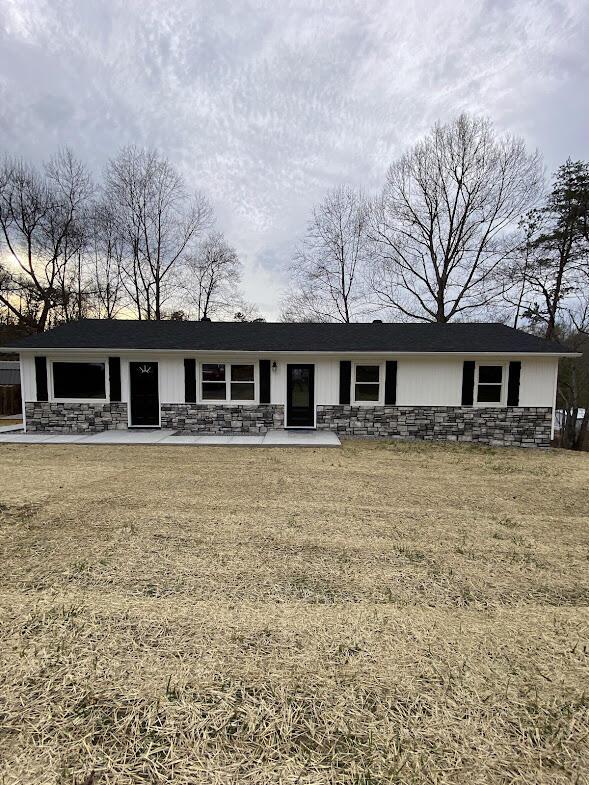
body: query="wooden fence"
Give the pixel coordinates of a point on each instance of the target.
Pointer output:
(10, 400)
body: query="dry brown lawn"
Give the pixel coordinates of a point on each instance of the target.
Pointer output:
(370, 615)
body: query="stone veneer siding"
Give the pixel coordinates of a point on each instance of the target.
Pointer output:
(502, 426)
(236, 418)
(75, 417)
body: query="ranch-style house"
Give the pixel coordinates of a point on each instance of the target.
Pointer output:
(484, 383)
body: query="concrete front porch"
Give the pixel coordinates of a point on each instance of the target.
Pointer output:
(167, 437)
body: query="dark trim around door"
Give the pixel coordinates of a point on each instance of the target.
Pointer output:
(144, 397)
(300, 395)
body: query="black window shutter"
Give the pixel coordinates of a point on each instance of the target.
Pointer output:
(513, 383)
(189, 380)
(114, 376)
(390, 383)
(468, 383)
(264, 381)
(41, 377)
(345, 379)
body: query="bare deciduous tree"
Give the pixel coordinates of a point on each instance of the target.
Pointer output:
(42, 224)
(160, 222)
(514, 274)
(25, 206)
(212, 277)
(327, 273)
(68, 225)
(248, 312)
(107, 250)
(445, 219)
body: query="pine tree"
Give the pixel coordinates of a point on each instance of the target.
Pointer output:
(559, 246)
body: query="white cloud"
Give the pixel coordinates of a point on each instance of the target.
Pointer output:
(265, 105)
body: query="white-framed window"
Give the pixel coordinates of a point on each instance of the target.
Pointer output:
(367, 383)
(79, 380)
(490, 384)
(232, 382)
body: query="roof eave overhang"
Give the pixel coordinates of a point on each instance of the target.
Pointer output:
(353, 353)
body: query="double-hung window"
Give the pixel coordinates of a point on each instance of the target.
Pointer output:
(489, 384)
(228, 382)
(242, 382)
(366, 384)
(214, 384)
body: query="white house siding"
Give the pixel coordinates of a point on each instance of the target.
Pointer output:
(125, 390)
(427, 381)
(171, 378)
(326, 378)
(438, 382)
(27, 378)
(538, 381)
(431, 381)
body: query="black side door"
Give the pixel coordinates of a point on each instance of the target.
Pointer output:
(300, 396)
(145, 400)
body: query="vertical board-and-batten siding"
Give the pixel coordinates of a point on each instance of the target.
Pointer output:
(171, 376)
(429, 381)
(326, 378)
(27, 378)
(537, 381)
(420, 381)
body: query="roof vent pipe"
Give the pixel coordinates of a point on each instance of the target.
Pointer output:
(377, 321)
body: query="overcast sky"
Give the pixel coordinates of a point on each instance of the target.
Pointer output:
(266, 105)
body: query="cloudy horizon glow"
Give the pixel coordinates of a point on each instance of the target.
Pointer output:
(266, 105)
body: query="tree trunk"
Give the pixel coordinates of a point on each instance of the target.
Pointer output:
(42, 323)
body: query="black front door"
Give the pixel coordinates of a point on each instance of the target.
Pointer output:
(300, 396)
(145, 400)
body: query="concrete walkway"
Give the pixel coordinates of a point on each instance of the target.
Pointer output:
(276, 438)
(10, 428)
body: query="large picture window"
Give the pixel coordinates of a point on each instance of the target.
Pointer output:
(79, 380)
(228, 382)
(366, 383)
(489, 384)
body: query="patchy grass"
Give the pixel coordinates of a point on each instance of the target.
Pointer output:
(384, 613)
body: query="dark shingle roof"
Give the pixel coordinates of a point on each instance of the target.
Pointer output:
(283, 337)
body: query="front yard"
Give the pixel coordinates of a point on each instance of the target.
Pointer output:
(371, 615)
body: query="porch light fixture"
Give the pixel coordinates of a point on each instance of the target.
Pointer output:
(274, 366)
